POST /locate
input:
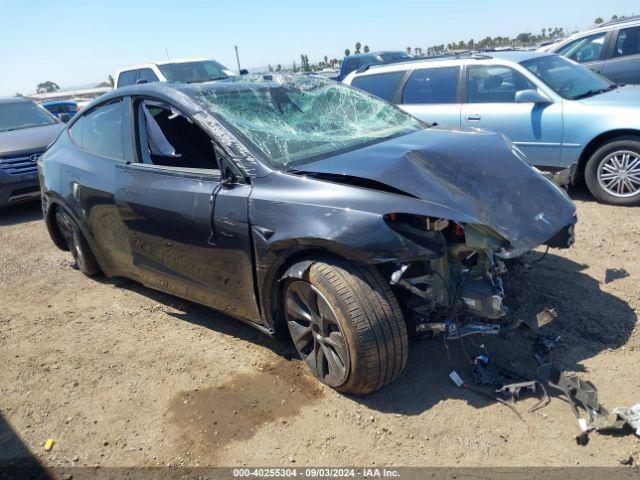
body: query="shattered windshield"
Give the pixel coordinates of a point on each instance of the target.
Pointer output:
(194, 72)
(291, 119)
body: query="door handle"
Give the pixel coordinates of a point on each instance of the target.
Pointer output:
(473, 117)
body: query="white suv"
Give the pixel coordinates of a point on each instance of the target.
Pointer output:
(186, 70)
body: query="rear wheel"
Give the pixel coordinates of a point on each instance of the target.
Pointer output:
(347, 326)
(612, 173)
(82, 254)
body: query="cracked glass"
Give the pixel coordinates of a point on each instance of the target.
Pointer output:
(292, 119)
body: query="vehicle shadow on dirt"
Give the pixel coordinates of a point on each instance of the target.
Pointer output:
(589, 321)
(16, 460)
(26, 212)
(200, 315)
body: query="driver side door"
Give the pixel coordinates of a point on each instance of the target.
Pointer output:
(188, 233)
(490, 104)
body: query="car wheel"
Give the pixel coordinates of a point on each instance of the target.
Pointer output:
(82, 254)
(612, 173)
(346, 325)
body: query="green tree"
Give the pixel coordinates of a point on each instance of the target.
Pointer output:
(358, 45)
(110, 80)
(409, 50)
(270, 68)
(278, 68)
(366, 49)
(598, 21)
(47, 87)
(347, 52)
(614, 18)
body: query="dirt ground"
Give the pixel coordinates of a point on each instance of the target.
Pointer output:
(121, 375)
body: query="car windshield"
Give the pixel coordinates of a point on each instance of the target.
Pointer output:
(567, 79)
(17, 115)
(292, 119)
(194, 72)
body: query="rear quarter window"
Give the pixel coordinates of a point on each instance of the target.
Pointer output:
(382, 85)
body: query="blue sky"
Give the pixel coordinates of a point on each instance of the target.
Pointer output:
(75, 42)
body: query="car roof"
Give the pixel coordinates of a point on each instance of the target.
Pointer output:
(515, 56)
(183, 93)
(613, 23)
(373, 54)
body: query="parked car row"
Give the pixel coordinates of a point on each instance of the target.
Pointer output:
(558, 113)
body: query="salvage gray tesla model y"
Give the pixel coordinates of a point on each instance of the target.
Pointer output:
(299, 205)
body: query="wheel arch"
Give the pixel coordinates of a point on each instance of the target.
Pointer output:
(275, 276)
(600, 140)
(52, 226)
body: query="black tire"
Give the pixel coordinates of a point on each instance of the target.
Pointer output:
(78, 246)
(597, 164)
(368, 318)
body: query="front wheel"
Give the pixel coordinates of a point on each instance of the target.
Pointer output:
(347, 326)
(612, 173)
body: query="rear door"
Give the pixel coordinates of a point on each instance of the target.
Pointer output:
(100, 134)
(433, 95)
(536, 129)
(623, 66)
(188, 232)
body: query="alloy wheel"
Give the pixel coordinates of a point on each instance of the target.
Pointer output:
(316, 333)
(619, 174)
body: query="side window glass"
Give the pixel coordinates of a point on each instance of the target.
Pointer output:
(76, 131)
(127, 78)
(102, 130)
(147, 75)
(432, 85)
(495, 84)
(170, 139)
(628, 42)
(585, 49)
(381, 85)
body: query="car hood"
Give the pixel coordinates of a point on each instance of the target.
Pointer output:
(29, 139)
(479, 176)
(627, 96)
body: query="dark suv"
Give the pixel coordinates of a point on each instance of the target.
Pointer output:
(26, 129)
(611, 49)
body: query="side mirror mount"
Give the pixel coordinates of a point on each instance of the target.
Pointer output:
(531, 96)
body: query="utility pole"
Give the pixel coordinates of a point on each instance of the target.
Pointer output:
(237, 58)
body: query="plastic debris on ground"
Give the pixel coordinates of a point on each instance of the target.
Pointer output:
(505, 382)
